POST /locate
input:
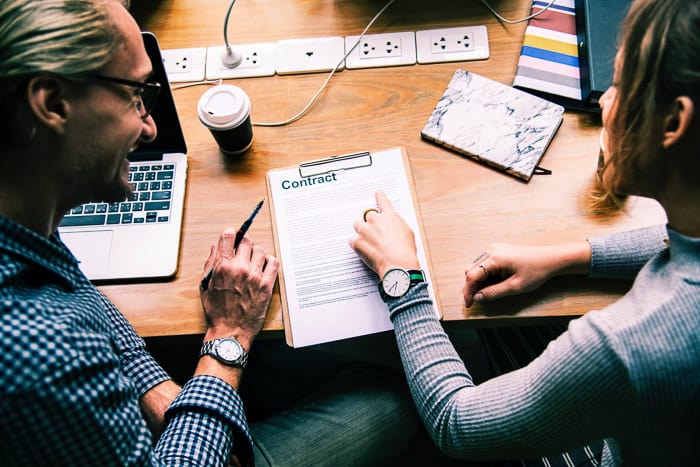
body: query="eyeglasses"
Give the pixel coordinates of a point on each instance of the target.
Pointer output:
(148, 96)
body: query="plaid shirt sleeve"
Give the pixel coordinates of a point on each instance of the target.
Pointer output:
(72, 370)
(65, 400)
(207, 401)
(136, 362)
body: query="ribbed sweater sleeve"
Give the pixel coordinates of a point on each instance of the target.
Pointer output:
(622, 255)
(497, 419)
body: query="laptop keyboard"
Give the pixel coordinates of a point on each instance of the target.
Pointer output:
(150, 202)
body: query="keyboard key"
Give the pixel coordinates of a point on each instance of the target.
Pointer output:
(127, 218)
(168, 175)
(163, 219)
(102, 207)
(95, 219)
(89, 209)
(77, 210)
(157, 206)
(160, 195)
(113, 218)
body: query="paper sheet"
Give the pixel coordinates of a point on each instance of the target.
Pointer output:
(329, 292)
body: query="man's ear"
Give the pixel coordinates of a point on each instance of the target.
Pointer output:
(47, 100)
(678, 122)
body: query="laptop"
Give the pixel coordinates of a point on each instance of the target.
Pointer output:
(139, 238)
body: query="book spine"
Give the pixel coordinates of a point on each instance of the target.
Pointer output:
(499, 167)
(549, 58)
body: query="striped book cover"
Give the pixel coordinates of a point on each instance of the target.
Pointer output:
(549, 62)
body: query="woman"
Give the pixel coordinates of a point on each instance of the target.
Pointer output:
(628, 374)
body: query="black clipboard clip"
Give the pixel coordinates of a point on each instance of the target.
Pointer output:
(335, 164)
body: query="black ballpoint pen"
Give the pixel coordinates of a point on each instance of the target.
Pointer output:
(239, 236)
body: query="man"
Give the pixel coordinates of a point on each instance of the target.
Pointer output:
(77, 385)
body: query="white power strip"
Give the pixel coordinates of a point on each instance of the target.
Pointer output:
(380, 50)
(321, 54)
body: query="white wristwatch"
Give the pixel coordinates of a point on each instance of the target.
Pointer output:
(397, 282)
(227, 350)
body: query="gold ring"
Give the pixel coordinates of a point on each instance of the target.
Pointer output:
(485, 270)
(367, 211)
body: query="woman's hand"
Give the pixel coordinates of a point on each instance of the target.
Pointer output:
(384, 240)
(506, 269)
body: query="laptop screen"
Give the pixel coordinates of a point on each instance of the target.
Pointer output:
(170, 138)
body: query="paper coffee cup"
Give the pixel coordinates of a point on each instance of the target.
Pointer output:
(225, 110)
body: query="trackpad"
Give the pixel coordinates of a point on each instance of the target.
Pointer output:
(91, 248)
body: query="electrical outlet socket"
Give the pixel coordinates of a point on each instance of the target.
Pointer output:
(452, 44)
(379, 50)
(258, 60)
(311, 55)
(184, 64)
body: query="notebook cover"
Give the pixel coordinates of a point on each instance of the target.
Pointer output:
(496, 124)
(598, 25)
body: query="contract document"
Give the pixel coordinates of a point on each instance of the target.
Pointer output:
(327, 292)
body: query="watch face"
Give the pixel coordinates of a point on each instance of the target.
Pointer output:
(396, 282)
(229, 350)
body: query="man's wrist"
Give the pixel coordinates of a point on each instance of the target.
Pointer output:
(210, 366)
(244, 338)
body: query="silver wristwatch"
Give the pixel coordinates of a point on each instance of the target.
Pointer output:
(227, 350)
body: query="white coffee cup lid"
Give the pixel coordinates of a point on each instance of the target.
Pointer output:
(223, 106)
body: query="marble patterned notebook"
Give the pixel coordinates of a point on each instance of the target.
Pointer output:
(496, 124)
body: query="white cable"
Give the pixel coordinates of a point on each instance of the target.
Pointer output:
(228, 13)
(196, 83)
(325, 83)
(514, 21)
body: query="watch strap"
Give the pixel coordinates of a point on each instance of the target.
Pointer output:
(208, 349)
(416, 276)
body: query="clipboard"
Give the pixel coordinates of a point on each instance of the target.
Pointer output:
(326, 292)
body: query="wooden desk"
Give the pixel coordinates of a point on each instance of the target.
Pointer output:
(465, 205)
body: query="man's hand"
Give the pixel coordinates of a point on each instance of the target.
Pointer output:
(240, 288)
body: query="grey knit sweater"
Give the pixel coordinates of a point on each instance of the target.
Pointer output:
(629, 373)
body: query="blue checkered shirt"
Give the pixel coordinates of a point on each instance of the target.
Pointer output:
(72, 370)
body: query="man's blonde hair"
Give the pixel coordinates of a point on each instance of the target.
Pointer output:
(63, 37)
(70, 38)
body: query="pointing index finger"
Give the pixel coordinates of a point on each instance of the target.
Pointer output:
(383, 202)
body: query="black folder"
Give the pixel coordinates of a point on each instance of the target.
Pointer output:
(598, 25)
